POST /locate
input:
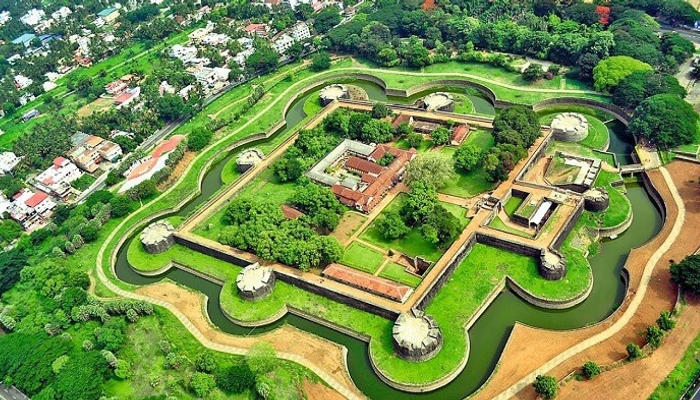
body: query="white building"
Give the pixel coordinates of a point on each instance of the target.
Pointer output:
(165, 87)
(127, 97)
(198, 34)
(61, 13)
(8, 161)
(212, 77)
(29, 208)
(26, 98)
(5, 205)
(57, 178)
(5, 17)
(283, 43)
(185, 92)
(215, 39)
(241, 57)
(32, 17)
(47, 86)
(21, 82)
(183, 53)
(301, 31)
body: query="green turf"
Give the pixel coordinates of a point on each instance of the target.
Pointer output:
(598, 133)
(512, 204)
(682, 375)
(361, 257)
(619, 208)
(497, 223)
(397, 273)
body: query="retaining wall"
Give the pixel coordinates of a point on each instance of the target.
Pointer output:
(617, 112)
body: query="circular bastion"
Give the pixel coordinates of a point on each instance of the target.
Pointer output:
(438, 101)
(158, 237)
(596, 199)
(570, 127)
(416, 336)
(552, 265)
(333, 92)
(255, 282)
(248, 159)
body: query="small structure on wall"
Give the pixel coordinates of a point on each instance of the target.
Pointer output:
(552, 265)
(438, 101)
(158, 237)
(255, 282)
(248, 159)
(569, 127)
(596, 199)
(416, 336)
(333, 92)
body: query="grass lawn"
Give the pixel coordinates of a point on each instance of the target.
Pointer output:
(470, 184)
(583, 151)
(229, 173)
(361, 257)
(512, 204)
(463, 105)
(397, 273)
(682, 375)
(424, 146)
(527, 209)
(598, 134)
(619, 207)
(83, 182)
(266, 186)
(413, 244)
(497, 223)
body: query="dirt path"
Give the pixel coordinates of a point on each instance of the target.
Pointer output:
(323, 354)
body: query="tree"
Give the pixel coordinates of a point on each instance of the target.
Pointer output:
(687, 273)
(202, 384)
(415, 54)
(171, 107)
(433, 169)
(205, 362)
(590, 369)
(639, 85)
(122, 370)
(261, 358)
(633, 351)
(467, 157)
(320, 61)
(327, 19)
(546, 386)
(414, 139)
(419, 203)
(665, 321)
(235, 378)
(376, 131)
(533, 72)
(380, 110)
(584, 13)
(654, 335)
(611, 71)
(516, 125)
(665, 120)
(263, 59)
(440, 136)
(199, 139)
(391, 226)
(586, 63)
(120, 205)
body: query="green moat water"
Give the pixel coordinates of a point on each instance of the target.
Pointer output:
(490, 332)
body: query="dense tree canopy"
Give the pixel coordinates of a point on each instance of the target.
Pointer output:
(639, 85)
(687, 273)
(665, 120)
(611, 71)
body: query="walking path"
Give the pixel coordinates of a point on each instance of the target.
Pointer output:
(625, 318)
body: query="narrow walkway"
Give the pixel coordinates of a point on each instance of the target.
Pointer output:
(628, 313)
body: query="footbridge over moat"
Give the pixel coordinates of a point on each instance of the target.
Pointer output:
(631, 169)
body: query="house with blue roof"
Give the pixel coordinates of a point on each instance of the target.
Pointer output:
(25, 39)
(108, 15)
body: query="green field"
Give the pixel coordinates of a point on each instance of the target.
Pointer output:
(397, 273)
(361, 257)
(470, 184)
(682, 376)
(512, 204)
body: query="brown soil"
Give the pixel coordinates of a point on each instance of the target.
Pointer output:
(323, 354)
(178, 170)
(318, 391)
(348, 225)
(520, 358)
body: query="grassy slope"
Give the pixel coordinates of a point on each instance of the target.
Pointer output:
(682, 375)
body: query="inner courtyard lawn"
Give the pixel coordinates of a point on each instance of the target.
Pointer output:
(361, 257)
(397, 272)
(497, 223)
(469, 184)
(512, 204)
(413, 244)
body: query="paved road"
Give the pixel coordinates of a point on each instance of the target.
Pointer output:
(696, 395)
(11, 393)
(693, 36)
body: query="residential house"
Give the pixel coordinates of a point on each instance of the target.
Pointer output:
(5, 17)
(108, 15)
(212, 78)
(283, 43)
(185, 92)
(89, 151)
(57, 178)
(61, 13)
(459, 133)
(116, 87)
(5, 205)
(198, 34)
(8, 161)
(215, 39)
(33, 17)
(47, 86)
(26, 98)
(165, 87)
(300, 31)
(115, 133)
(241, 57)
(183, 53)
(145, 168)
(31, 208)
(260, 30)
(127, 97)
(21, 82)
(24, 39)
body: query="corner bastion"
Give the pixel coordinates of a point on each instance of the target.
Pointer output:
(158, 237)
(255, 282)
(570, 127)
(596, 199)
(416, 336)
(333, 92)
(248, 159)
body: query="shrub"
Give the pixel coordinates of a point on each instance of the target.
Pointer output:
(199, 139)
(546, 386)
(205, 362)
(654, 335)
(533, 72)
(123, 369)
(380, 110)
(590, 369)
(665, 321)
(235, 378)
(202, 384)
(633, 351)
